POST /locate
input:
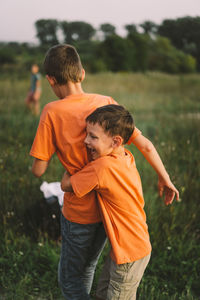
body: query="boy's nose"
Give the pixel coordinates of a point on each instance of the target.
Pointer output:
(86, 140)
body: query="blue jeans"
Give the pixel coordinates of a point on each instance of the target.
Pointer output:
(81, 247)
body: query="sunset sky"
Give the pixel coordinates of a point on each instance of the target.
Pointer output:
(17, 17)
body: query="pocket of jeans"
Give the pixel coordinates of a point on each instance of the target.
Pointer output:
(118, 271)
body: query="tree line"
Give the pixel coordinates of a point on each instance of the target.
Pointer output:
(173, 46)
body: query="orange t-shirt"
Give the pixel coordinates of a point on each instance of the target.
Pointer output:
(119, 192)
(62, 130)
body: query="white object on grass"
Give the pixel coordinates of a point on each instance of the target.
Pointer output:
(52, 189)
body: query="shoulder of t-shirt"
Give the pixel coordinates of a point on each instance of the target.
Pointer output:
(48, 109)
(101, 164)
(108, 99)
(108, 161)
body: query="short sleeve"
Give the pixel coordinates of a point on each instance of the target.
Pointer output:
(84, 181)
(135, 134)
(112, 101)
(38, 76)
(43, 145)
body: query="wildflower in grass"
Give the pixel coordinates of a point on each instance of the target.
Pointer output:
(21, 253)
(40, 244)
(182, 189)
(169, 248)
(10, 214)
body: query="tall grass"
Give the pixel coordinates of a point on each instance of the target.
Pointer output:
(167, 110)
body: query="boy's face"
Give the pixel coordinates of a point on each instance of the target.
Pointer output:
(97, 141)
(34, 69)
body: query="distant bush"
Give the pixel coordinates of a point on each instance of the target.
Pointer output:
(7, 55)
(188, 63)
(134, 53)
(139, 45)
(165, 57)
(117, 53)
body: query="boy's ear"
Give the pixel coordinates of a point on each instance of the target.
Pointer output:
(52, 81)
(117, 141)
(83, 75)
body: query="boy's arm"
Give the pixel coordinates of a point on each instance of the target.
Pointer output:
(66, 183)
(164, 183)
(37, 90)
(38, 83)
(82, 182)
(43, 146)
(39, 167)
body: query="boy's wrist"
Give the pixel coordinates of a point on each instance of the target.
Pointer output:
(164, 177)
(66, 183)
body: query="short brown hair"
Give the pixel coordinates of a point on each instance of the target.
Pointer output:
(63, 63)
(114, 119)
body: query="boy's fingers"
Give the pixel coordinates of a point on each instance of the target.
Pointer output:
(169, 196)
(177, 195)
(169, 193)
(160, 190)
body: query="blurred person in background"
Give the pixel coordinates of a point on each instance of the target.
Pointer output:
(33, 97)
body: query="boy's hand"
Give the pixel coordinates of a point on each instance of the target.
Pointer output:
(168, 189)
(65, 183)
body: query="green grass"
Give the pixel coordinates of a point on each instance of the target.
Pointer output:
(167, 110)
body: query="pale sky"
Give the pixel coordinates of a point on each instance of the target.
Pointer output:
(17, 17)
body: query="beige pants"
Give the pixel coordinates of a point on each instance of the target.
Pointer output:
(120, 282)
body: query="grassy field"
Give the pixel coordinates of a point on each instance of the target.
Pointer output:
(167, 110)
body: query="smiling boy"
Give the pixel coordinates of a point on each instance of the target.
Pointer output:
(114, 176)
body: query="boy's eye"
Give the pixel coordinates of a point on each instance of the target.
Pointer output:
(93, 136)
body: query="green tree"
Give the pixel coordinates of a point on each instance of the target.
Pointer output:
(107, 29)
(87, 50)
(77, 31)
(117, 53)
(7, 54)
(149, 27)
(47, 31)
(184, 34)
(65, 27)
(140, 44)
(187, 63)
(130, 28)
(165, 57)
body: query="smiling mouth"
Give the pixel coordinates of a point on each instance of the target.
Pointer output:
(92, 151)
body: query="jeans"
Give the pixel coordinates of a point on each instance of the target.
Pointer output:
(81, 247)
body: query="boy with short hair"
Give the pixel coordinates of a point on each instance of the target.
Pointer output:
(61, 130)
(33, 97)
(114, 176)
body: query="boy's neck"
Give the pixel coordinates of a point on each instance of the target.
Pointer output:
(63, 91)
(118, 150)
